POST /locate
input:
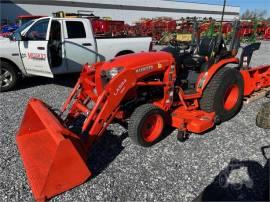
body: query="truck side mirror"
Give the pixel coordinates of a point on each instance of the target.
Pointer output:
(16, 36)
(23, 38)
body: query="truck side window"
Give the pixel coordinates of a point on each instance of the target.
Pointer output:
(38, 31)
(75, 30)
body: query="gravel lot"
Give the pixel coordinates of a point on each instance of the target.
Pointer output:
(168, 171)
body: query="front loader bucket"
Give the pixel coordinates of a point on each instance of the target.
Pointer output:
(53, 157)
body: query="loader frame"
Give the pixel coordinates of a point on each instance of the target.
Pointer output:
(66, 151)
(55, 156)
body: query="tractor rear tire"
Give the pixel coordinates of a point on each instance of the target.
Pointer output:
(224, 94)
(146, 125)
(263, 117)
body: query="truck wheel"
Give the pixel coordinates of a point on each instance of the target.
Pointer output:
(224, 94)
(146, 125)
(8, 77)
(263, 117)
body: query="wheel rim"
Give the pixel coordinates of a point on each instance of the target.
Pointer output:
(5, 78)
(231, 97)
(152, 127)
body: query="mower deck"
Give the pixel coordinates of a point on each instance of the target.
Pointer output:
(195, 121)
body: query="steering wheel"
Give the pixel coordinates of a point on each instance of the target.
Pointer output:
(181, 45)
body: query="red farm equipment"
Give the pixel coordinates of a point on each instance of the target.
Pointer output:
(103, 27)
(267, 33)
(227, 28)
(261, 27)
(246, 29)
(170, 25)
(160, 28)
(153, 27)
(191, 91)
(184, 26)
(163, 25)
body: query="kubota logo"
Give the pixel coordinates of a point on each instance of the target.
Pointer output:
(120, 87)
(143, 69)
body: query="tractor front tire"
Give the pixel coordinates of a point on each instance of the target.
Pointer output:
(224, 94)
(263, 117)
(146, 125)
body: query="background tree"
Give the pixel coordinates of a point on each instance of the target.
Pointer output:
(251, 14)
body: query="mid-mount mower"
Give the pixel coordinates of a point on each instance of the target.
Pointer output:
(190, 87)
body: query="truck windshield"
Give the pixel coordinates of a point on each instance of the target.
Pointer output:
(21, 28)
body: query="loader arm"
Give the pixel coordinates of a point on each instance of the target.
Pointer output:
(106, 105)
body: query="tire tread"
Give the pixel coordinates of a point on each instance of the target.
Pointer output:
(138, 114)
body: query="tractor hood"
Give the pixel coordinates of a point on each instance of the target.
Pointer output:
(137, 60)
(139, 66)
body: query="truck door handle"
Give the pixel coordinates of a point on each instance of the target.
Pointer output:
(87, 44)
(41, 48)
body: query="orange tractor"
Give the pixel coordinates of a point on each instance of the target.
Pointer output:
(190, 87)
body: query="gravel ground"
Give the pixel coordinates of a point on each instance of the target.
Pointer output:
(226, 162)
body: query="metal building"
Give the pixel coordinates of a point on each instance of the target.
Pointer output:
(127, 10)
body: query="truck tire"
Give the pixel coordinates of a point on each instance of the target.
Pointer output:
(224, 94)
(263, 117)
(146, 125)
(9, 76)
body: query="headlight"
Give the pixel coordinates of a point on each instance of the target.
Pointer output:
(113, 72)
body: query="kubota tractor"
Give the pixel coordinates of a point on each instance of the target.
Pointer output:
(189, 88)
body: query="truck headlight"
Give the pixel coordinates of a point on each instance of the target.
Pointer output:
(113, 72)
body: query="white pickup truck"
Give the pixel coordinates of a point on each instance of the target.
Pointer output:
(50, 46)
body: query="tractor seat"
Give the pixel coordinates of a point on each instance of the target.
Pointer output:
(195, 62)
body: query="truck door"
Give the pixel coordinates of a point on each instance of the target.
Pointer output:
(80, 44)
(34, 49)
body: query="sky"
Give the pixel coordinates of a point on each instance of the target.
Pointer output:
(244, 4)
